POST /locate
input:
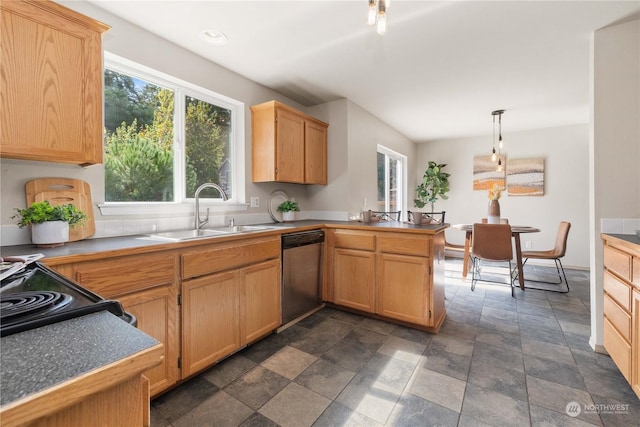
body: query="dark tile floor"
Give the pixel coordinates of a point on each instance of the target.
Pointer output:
(497, 361)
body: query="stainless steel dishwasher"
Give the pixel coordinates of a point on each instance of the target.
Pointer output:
(301, 274)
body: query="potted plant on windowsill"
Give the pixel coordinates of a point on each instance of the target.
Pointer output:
(434, 186)
(49, 224)
(288, 209)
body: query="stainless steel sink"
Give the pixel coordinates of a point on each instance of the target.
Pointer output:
(206, 232)
(237, 229)
(187, 234)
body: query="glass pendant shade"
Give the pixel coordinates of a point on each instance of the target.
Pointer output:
(371, 17)
(382, 23)
(497, 156)
(377, 15)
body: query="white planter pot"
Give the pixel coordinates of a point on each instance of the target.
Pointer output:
(50, 233)
(288, 216)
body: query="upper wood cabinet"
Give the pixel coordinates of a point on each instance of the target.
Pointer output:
(50, 83)
(287, 145)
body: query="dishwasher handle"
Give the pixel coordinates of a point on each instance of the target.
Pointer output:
(294, 240)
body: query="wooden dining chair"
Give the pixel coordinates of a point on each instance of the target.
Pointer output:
(386, 216)
(558, 251)
(491, 242)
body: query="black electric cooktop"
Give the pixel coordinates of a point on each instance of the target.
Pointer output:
(37, 296)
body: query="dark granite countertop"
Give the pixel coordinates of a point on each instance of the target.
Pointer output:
(144, 243)
(37, 359)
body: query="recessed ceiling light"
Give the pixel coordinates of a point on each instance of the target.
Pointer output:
(214, 37)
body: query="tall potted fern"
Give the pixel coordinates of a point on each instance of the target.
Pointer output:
(434, 186)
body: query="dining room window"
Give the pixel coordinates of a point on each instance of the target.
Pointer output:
(392, 182)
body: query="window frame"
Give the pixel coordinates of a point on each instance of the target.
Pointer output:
(182, 88)
(402, 177)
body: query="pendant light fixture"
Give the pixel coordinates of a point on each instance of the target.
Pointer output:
(496, 155)
(377, 15)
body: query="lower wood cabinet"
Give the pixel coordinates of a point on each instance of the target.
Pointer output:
(260, 300)
(211, 320)
(228, 309)
(353, 279)
(147, 286)
(621, 284)
(202, 303)
(388, 274)
(157, 316)
(404, 288)
(635, 342)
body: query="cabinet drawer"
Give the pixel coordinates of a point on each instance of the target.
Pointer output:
(212, 258)
(619, 318)
(354, 240)
(635, 272)
(618, 349)
(124, 275)
(618, 262)
(404, 244)
(618, 290)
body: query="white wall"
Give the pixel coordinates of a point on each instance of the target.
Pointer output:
(565, 150)
(615, 144)
(354, 134)
(333, 197)
(365, 133)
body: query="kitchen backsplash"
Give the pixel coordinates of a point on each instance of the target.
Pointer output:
(11, 235)
(619, 225)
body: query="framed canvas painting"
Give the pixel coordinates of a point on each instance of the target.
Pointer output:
(485, 174)
(525, 177)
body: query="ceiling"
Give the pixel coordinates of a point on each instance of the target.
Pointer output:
(438, 72)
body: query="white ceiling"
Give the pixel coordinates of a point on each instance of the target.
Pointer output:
(438, 73)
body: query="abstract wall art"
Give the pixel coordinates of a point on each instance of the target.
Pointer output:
(485, 174)
(525, 177)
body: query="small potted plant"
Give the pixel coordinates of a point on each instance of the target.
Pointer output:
(288, 209)
(49, 224)
(434, 186)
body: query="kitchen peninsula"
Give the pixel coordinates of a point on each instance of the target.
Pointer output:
(392, 271)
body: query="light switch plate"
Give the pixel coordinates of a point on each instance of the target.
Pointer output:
(255, 202)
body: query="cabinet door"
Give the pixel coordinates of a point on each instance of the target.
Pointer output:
(354, 279)
(210, 320)
(403, 288)
(289, 147)
(260, 302)
(315, 153)
(635, 343)
(157, 313)
(51, 67)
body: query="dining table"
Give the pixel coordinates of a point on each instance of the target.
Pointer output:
(516, 231)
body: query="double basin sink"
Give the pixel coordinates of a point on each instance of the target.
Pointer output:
(207, 232)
